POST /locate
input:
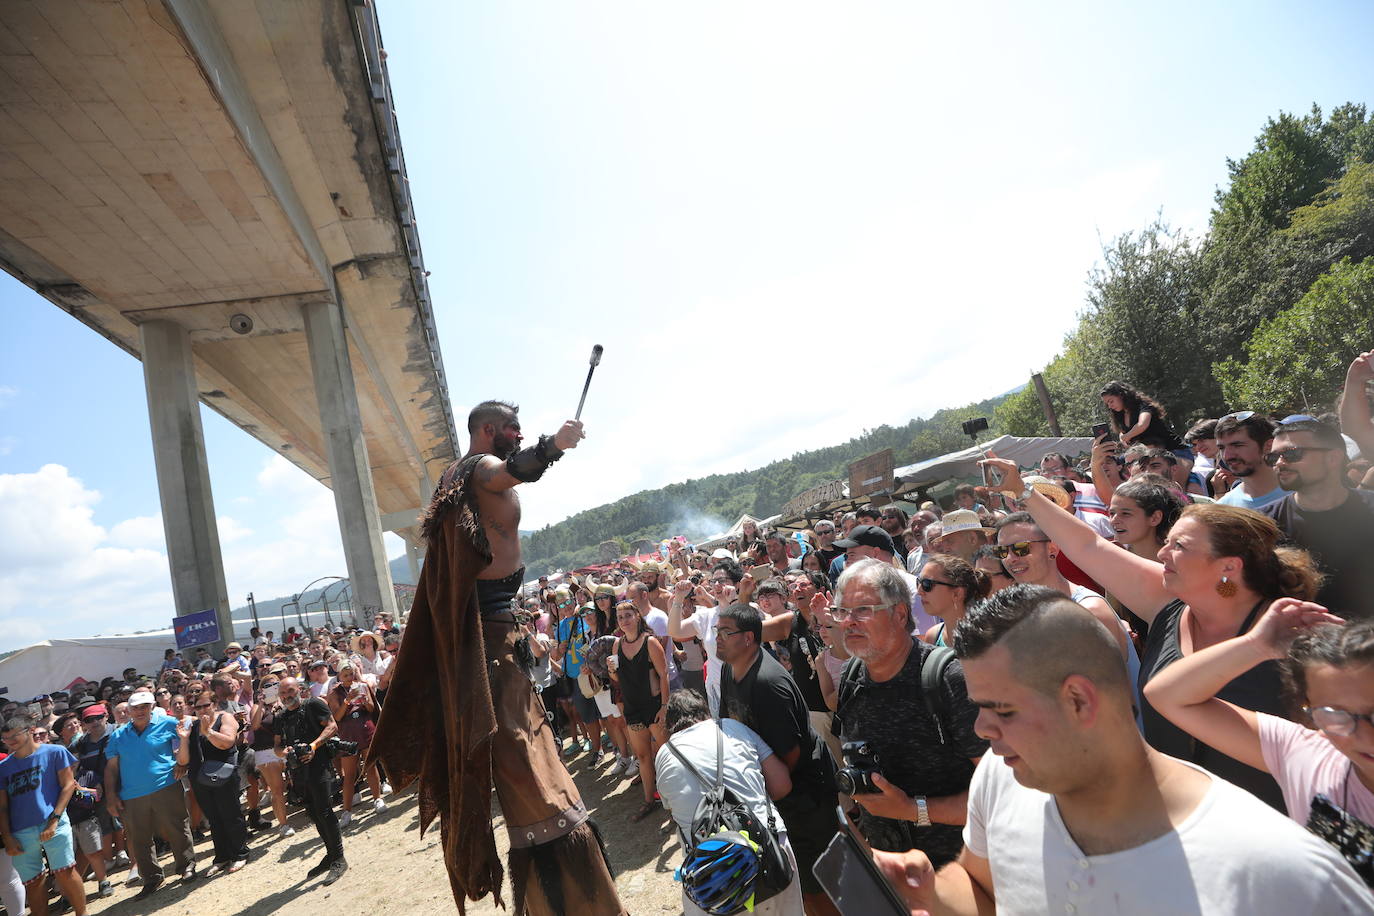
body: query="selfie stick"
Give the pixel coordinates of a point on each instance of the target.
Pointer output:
(596, 361)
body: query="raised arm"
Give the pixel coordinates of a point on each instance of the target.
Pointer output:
(681, 625)
(1135, 581)
(1185, 693)
(1355, 417)
(529, 464)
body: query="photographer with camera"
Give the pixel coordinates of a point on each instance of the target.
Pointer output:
(304, 730)
(904, 718)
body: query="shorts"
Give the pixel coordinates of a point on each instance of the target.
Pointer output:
(267, 758)
(29, 863)
(586, 706)
(89, 834)
(606, 706)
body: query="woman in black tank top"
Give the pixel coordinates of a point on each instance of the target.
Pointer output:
(638, 657)
(271, 768)
(210, 745)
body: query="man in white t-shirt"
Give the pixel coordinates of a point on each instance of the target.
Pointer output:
(749, 768)
(1073, 813)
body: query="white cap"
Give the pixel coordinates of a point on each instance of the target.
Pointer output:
(141, 698)
(720, 553)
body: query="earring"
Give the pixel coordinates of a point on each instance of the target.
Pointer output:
(1226, 588)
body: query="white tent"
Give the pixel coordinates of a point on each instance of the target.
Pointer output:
(55, 663)
(1025, 451)
(735, 530)
(910, 480)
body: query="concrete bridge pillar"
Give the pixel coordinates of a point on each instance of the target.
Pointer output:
(183, 476)
(351, 477)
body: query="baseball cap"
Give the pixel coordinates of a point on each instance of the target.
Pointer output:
(317, 663)
(720, 553)
(141, 698)
(867, 536)
(91, 712)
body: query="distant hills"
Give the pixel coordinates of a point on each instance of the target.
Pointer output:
(707, 506)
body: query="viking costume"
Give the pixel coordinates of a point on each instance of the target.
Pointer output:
(461, 716)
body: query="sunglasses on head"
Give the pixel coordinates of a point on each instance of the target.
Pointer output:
(1020, 548)
(1240, 416)
(1294, 454)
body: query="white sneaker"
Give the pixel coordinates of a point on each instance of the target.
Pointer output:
(286, 830)
(386, 788)
(378, 806)
(345, 819)
(133, 878)
(619, 766)
(121, 858)
(633, 768)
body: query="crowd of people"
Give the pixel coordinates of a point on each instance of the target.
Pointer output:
(1186, 613)
(99, 781)
(1140, 681)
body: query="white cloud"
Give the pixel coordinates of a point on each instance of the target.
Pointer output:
(139, 531)
(59, 576)
(230, 530)
(62, 574)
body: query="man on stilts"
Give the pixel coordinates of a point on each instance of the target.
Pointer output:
(461, 714)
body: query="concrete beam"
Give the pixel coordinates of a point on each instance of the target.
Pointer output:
(395, 521)
(351, 476)
(183, 476)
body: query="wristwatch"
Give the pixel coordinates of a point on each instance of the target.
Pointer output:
(922, 812)
(1023, 495)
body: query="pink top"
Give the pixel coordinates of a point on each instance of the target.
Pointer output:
(1305, 764)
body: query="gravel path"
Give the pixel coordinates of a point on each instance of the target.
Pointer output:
(392, 869)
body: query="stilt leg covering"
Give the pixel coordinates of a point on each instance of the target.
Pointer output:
(567, 877)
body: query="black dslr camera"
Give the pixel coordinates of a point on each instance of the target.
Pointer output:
(860, 763)
(334, 747)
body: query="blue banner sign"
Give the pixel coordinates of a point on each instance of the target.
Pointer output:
(196, 629)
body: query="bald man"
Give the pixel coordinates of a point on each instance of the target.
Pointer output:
(1073, 813)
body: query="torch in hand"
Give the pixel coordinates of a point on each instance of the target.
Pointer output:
(595, 361)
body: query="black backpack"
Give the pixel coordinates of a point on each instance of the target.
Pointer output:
(720, 811)
(932, 677)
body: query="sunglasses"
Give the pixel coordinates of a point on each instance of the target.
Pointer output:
(203, 706)
(928, 585)
(1294, 454)
(1020, 548)
(1240, 416)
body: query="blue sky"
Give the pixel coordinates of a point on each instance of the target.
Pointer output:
(829, 216)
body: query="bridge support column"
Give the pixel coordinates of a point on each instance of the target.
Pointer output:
(183, 476)
(351, 476)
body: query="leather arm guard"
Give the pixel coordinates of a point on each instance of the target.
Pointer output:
(529, 464)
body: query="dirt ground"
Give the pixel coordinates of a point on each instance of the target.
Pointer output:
(392, 869)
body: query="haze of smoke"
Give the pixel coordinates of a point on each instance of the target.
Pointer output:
(694, 524)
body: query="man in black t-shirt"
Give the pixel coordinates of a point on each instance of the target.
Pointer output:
(925, 763)
(758, 691)
(1320, 515)
(311, 723)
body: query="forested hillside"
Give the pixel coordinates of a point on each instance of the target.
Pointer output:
(700, 508)
(1265, 311)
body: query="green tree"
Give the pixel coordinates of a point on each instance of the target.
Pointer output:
(1297, 359)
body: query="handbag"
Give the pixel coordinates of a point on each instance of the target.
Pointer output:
(216, 773)
(589, 683)
(720, 811)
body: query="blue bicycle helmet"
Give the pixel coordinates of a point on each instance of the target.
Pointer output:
(720, 873)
